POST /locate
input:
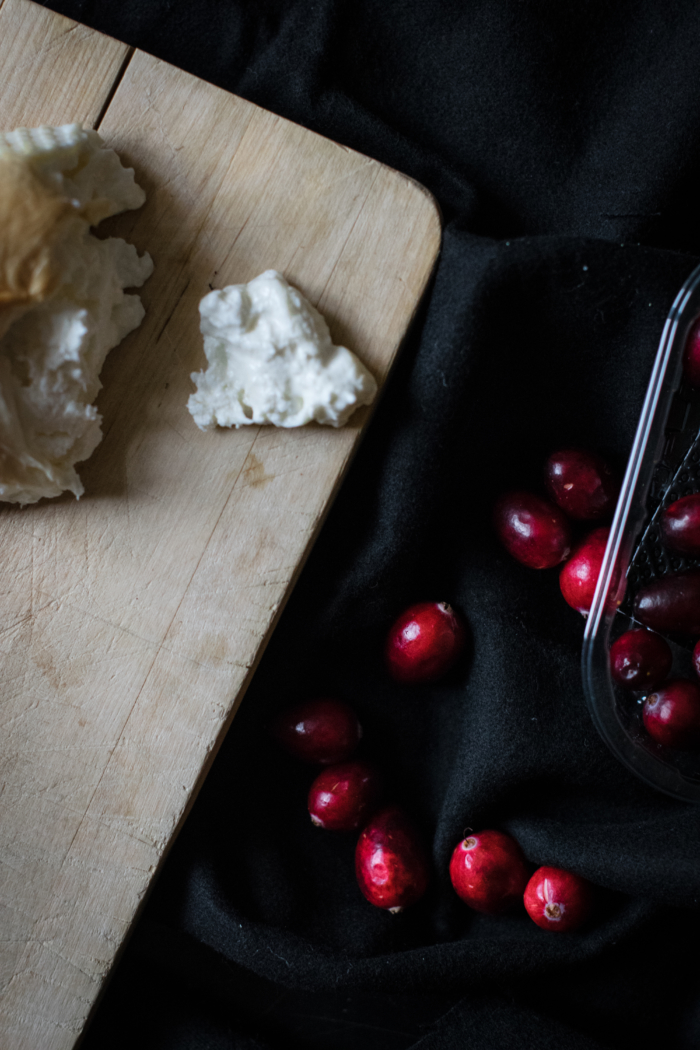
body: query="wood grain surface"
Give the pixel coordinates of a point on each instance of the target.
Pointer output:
(131, 621)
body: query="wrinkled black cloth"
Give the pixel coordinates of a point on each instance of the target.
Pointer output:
(562, 142)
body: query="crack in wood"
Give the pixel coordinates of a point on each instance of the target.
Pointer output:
(115, 87)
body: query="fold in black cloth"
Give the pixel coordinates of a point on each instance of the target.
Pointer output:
(563, 144)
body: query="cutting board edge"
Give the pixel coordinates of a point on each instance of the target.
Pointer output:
(135, 51)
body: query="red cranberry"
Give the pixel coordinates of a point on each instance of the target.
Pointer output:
(640, 660)
(671, 715)
(679, 526)
(391, 863)
(532, 529)
(691, 355)
(579, 576)
(558, 900)
(342, 797)
(489, 871)
(582, 484)
(671, 603)
(323, 730)
(696, 658)
(425, 642)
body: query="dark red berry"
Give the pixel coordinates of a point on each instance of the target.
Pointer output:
(489, 871)
(691, 355)
(671, 715)
(391, 863)
(532, 529)
(679, 526)
(424, 642)
(343, 797)
(640, 660)
(323, 730)
(579, 576)
(696, 658)
(582, 484)
(671, 603)
(558, 900)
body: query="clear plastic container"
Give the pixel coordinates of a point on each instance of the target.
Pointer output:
(663, 466)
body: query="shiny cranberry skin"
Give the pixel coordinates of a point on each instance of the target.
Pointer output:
(489, 871)
(579, 576)
(343, 797)
(696, 658)
(640, 660)
(532, 529)
(558, 900)
(691, 355)
(679, 526)
(424, 642)
(671, 715)
(324, 730)
(582, 484)
(671, 604)
(391, 863)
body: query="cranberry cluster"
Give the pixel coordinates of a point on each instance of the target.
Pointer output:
(490, 874)
(539, 532)
(641, 660)
(488, 870)
(391, 863)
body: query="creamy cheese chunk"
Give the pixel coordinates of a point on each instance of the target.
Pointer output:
(271, 360)
(62, 301)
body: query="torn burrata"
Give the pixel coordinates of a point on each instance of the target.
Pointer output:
(62, 301)
(271, 359)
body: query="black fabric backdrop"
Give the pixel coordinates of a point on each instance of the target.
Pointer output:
(562, 141)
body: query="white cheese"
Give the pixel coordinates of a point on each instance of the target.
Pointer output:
(56, 330)
(271, 360)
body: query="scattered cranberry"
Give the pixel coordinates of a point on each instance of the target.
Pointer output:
(671, 715)
(671, 603)
(691, 355)
(640, 660)
(558, 900)
(323, 730)
(679, 526)
(391, 864)
(425, 642)
(532, 529)
(582, 484)
(489, 871)
(343, 797)
(579, 576)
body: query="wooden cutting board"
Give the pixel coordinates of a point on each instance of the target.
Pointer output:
(131, 621)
